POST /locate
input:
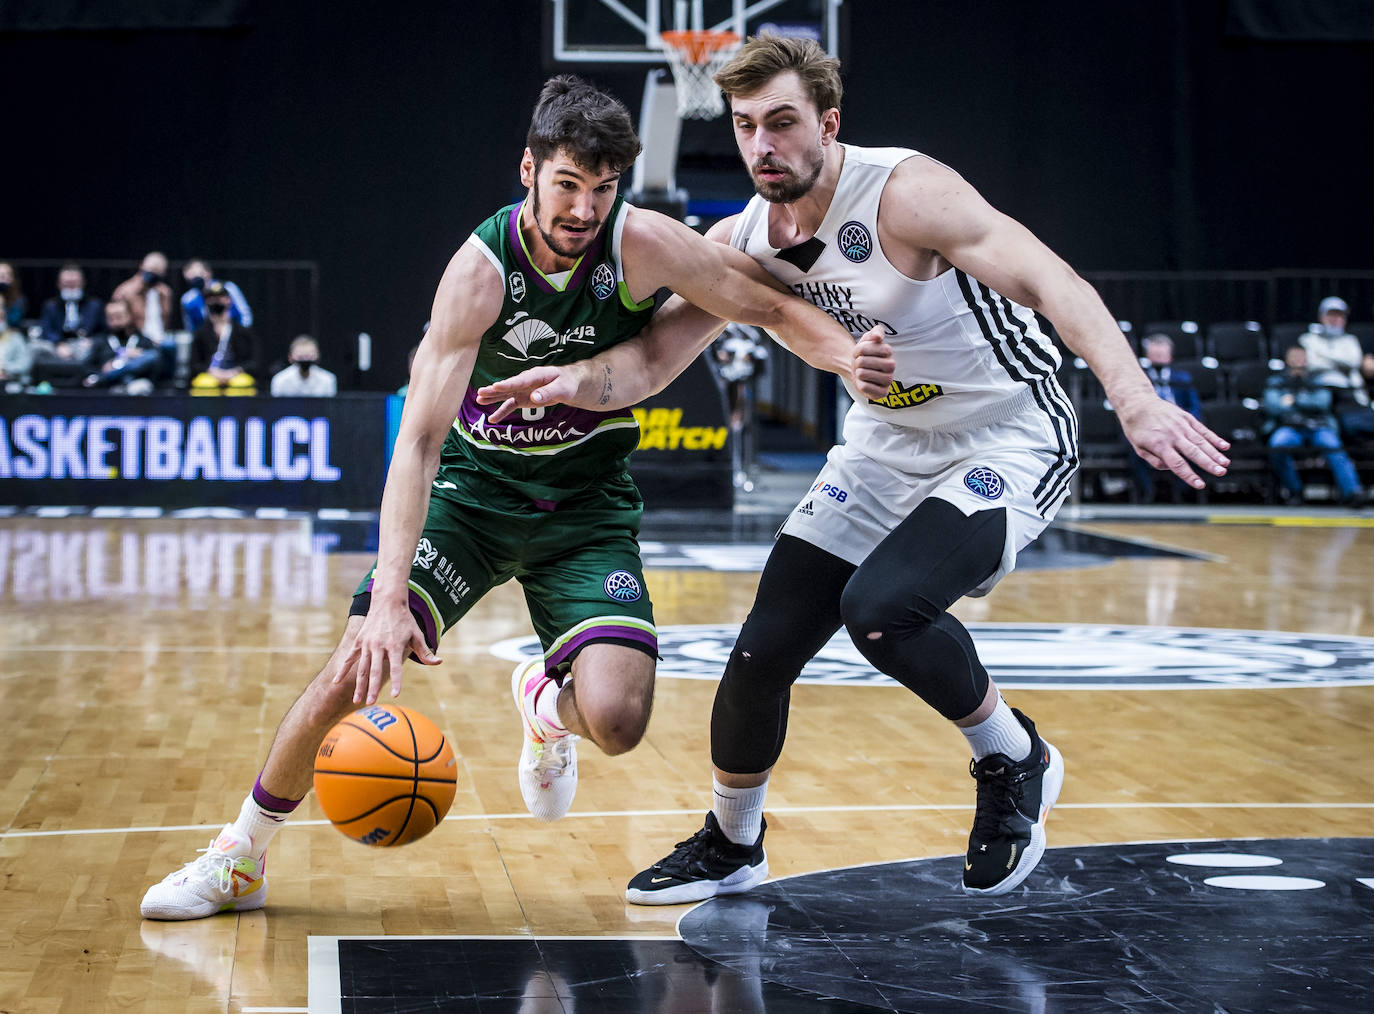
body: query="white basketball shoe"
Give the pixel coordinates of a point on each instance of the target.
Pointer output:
(548, 756)
(224, 878)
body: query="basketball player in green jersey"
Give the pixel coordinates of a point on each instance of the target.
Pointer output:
(544, 498)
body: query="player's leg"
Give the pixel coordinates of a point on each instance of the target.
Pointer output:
(445, 581)
(895, 609)
(795, 612)
(230, 875)
(584, 585)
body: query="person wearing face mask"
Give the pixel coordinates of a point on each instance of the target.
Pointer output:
(224, 354)
(199, 276)
(16, 306)
(72, 313)
(1334, 357)
(304, 377)
(149, 296)
(123, 354)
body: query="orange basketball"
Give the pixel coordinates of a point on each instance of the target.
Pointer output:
(385, 775)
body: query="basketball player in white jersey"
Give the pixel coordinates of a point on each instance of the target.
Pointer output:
(936, 487)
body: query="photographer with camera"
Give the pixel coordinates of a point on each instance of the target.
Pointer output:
(1297, 412)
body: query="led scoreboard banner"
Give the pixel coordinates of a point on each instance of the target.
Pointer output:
(113, 450)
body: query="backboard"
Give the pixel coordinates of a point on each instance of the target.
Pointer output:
(628, 31)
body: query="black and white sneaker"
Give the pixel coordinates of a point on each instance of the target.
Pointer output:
(706, 864)
(1014, 798)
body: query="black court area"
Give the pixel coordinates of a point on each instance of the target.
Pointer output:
(1222, 927)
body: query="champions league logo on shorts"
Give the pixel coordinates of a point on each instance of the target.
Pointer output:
(985, 482)
(855, 242)
(603, 281)
(622, 586)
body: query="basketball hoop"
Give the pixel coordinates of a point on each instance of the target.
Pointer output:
(694, 56)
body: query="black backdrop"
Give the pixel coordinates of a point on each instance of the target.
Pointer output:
(372, 139)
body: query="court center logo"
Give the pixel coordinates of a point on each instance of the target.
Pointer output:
(622, 586)
(603, 281)
(856, 243)
(1046, 656)
(985, 482)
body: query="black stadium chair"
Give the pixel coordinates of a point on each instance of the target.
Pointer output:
(1207, 378)
(1247, 379)
(1186, 335)
(1365, 333)
(1285, 336)
(1234, 340)
(1241, 423)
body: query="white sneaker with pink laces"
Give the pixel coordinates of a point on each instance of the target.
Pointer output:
(225, 878)
(548, 757)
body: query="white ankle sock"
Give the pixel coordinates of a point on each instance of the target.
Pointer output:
(999, 733)
(259, 824)
(546, 706)
(739, 812)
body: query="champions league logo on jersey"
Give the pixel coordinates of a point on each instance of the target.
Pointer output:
(1059, 656)
(517, 286)
(855, 242)
(603, 281)
(985, 482)
(622, 586)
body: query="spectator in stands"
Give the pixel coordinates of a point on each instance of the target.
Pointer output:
(71, 314)
(148, 296)
(1297, 412)
(199, 276)
(224, 354)
(123, 354)
(304, 377)
(1173, 385)
(16, 358)
(16, 306)
(1334, 358)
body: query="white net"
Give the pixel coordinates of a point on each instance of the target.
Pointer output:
(694, 57)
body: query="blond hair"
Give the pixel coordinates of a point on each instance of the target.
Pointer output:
(764, 57)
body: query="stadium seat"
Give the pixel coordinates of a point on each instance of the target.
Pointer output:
(1234, 340)
(1207, 378)
(1241, 423)
(1286, 335)
(1247, 379)
(1186, 334)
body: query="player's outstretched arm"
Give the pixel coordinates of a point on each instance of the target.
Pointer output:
(467, 302)
(1003, 254)
(633, 370)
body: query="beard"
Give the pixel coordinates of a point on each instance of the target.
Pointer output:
(564, 248)
(793, 186)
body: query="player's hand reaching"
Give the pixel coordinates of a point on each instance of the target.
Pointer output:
(385, 639)
(1169, 438)
(873, 364)
(533, 388)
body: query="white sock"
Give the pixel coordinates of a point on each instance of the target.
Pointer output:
(546, 707)
(999, 733)
(259, 824)
(739, 812)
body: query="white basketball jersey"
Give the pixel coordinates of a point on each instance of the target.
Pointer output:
(965, 355)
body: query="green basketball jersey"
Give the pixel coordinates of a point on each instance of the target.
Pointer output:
(546, 454)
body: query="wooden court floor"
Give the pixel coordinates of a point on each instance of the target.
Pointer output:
(146, 662)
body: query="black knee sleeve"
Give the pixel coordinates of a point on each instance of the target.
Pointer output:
(894, 607)
(795, 612)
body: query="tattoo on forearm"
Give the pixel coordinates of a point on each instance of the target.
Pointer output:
(605, 385)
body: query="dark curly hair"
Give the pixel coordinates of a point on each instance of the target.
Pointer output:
(594, 128)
